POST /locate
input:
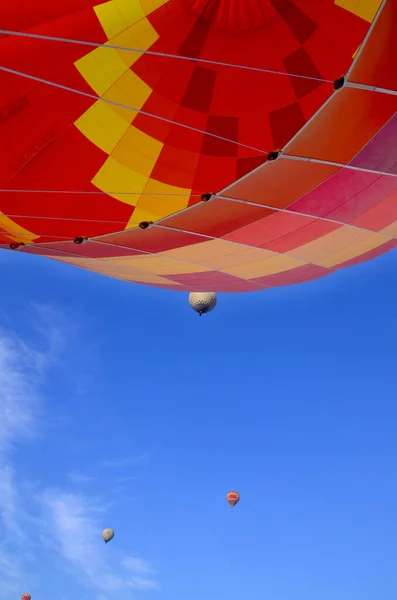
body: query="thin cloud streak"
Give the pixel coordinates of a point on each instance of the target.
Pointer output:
(19, 412)
(9, 575)
(68, 523)
(137, 565)
(18, 398)
(10, 503)
(80, 478)
(76, 531)
(23, 368)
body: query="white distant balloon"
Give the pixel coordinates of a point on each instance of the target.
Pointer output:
(107, 534)
(202, 302)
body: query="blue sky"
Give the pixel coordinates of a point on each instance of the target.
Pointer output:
(121, 408)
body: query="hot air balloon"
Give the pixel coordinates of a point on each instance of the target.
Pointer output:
(233, 497)
(218, 145)
(26, 597)
(108, 535)
(202, 302)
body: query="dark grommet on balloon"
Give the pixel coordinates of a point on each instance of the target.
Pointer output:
(273, 155)
(206, 197)
(144, 224)
(16, 245)
(339, 83)
(80, 240)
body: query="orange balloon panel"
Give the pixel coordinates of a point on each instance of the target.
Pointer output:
(124, 113)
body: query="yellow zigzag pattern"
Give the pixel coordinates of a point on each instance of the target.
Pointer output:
(132, 153)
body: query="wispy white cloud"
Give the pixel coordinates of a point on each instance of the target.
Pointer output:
(18, 398)
(9, 575)
(70, 523)
(57, 331)
(137, 565)
(75, 533)
(19, 412)
(10, 503)
(23, 368)
(139, 583)
(143, 576)
(74, 521)
(80, 478)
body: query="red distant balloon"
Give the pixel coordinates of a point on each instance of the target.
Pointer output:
(26, 597)
(233, 498)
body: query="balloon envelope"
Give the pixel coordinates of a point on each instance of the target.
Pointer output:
(226, 84)
(202, 302)
(107, 534)
(233, 497)
(26, 597)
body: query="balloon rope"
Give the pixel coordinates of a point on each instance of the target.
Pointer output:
(97, 193)
(208, 61)
(121, 105)
(368, 35)
(162, 54)
(161, 222)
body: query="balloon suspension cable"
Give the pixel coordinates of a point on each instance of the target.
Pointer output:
(198, 59)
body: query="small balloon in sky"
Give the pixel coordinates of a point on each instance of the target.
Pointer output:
(202, 302)
(107, 534)
(233, 497)
(26, 596)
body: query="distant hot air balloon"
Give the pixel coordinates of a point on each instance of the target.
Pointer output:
(107, 534)
(202, 302)
(26, 597)
(233, 498)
